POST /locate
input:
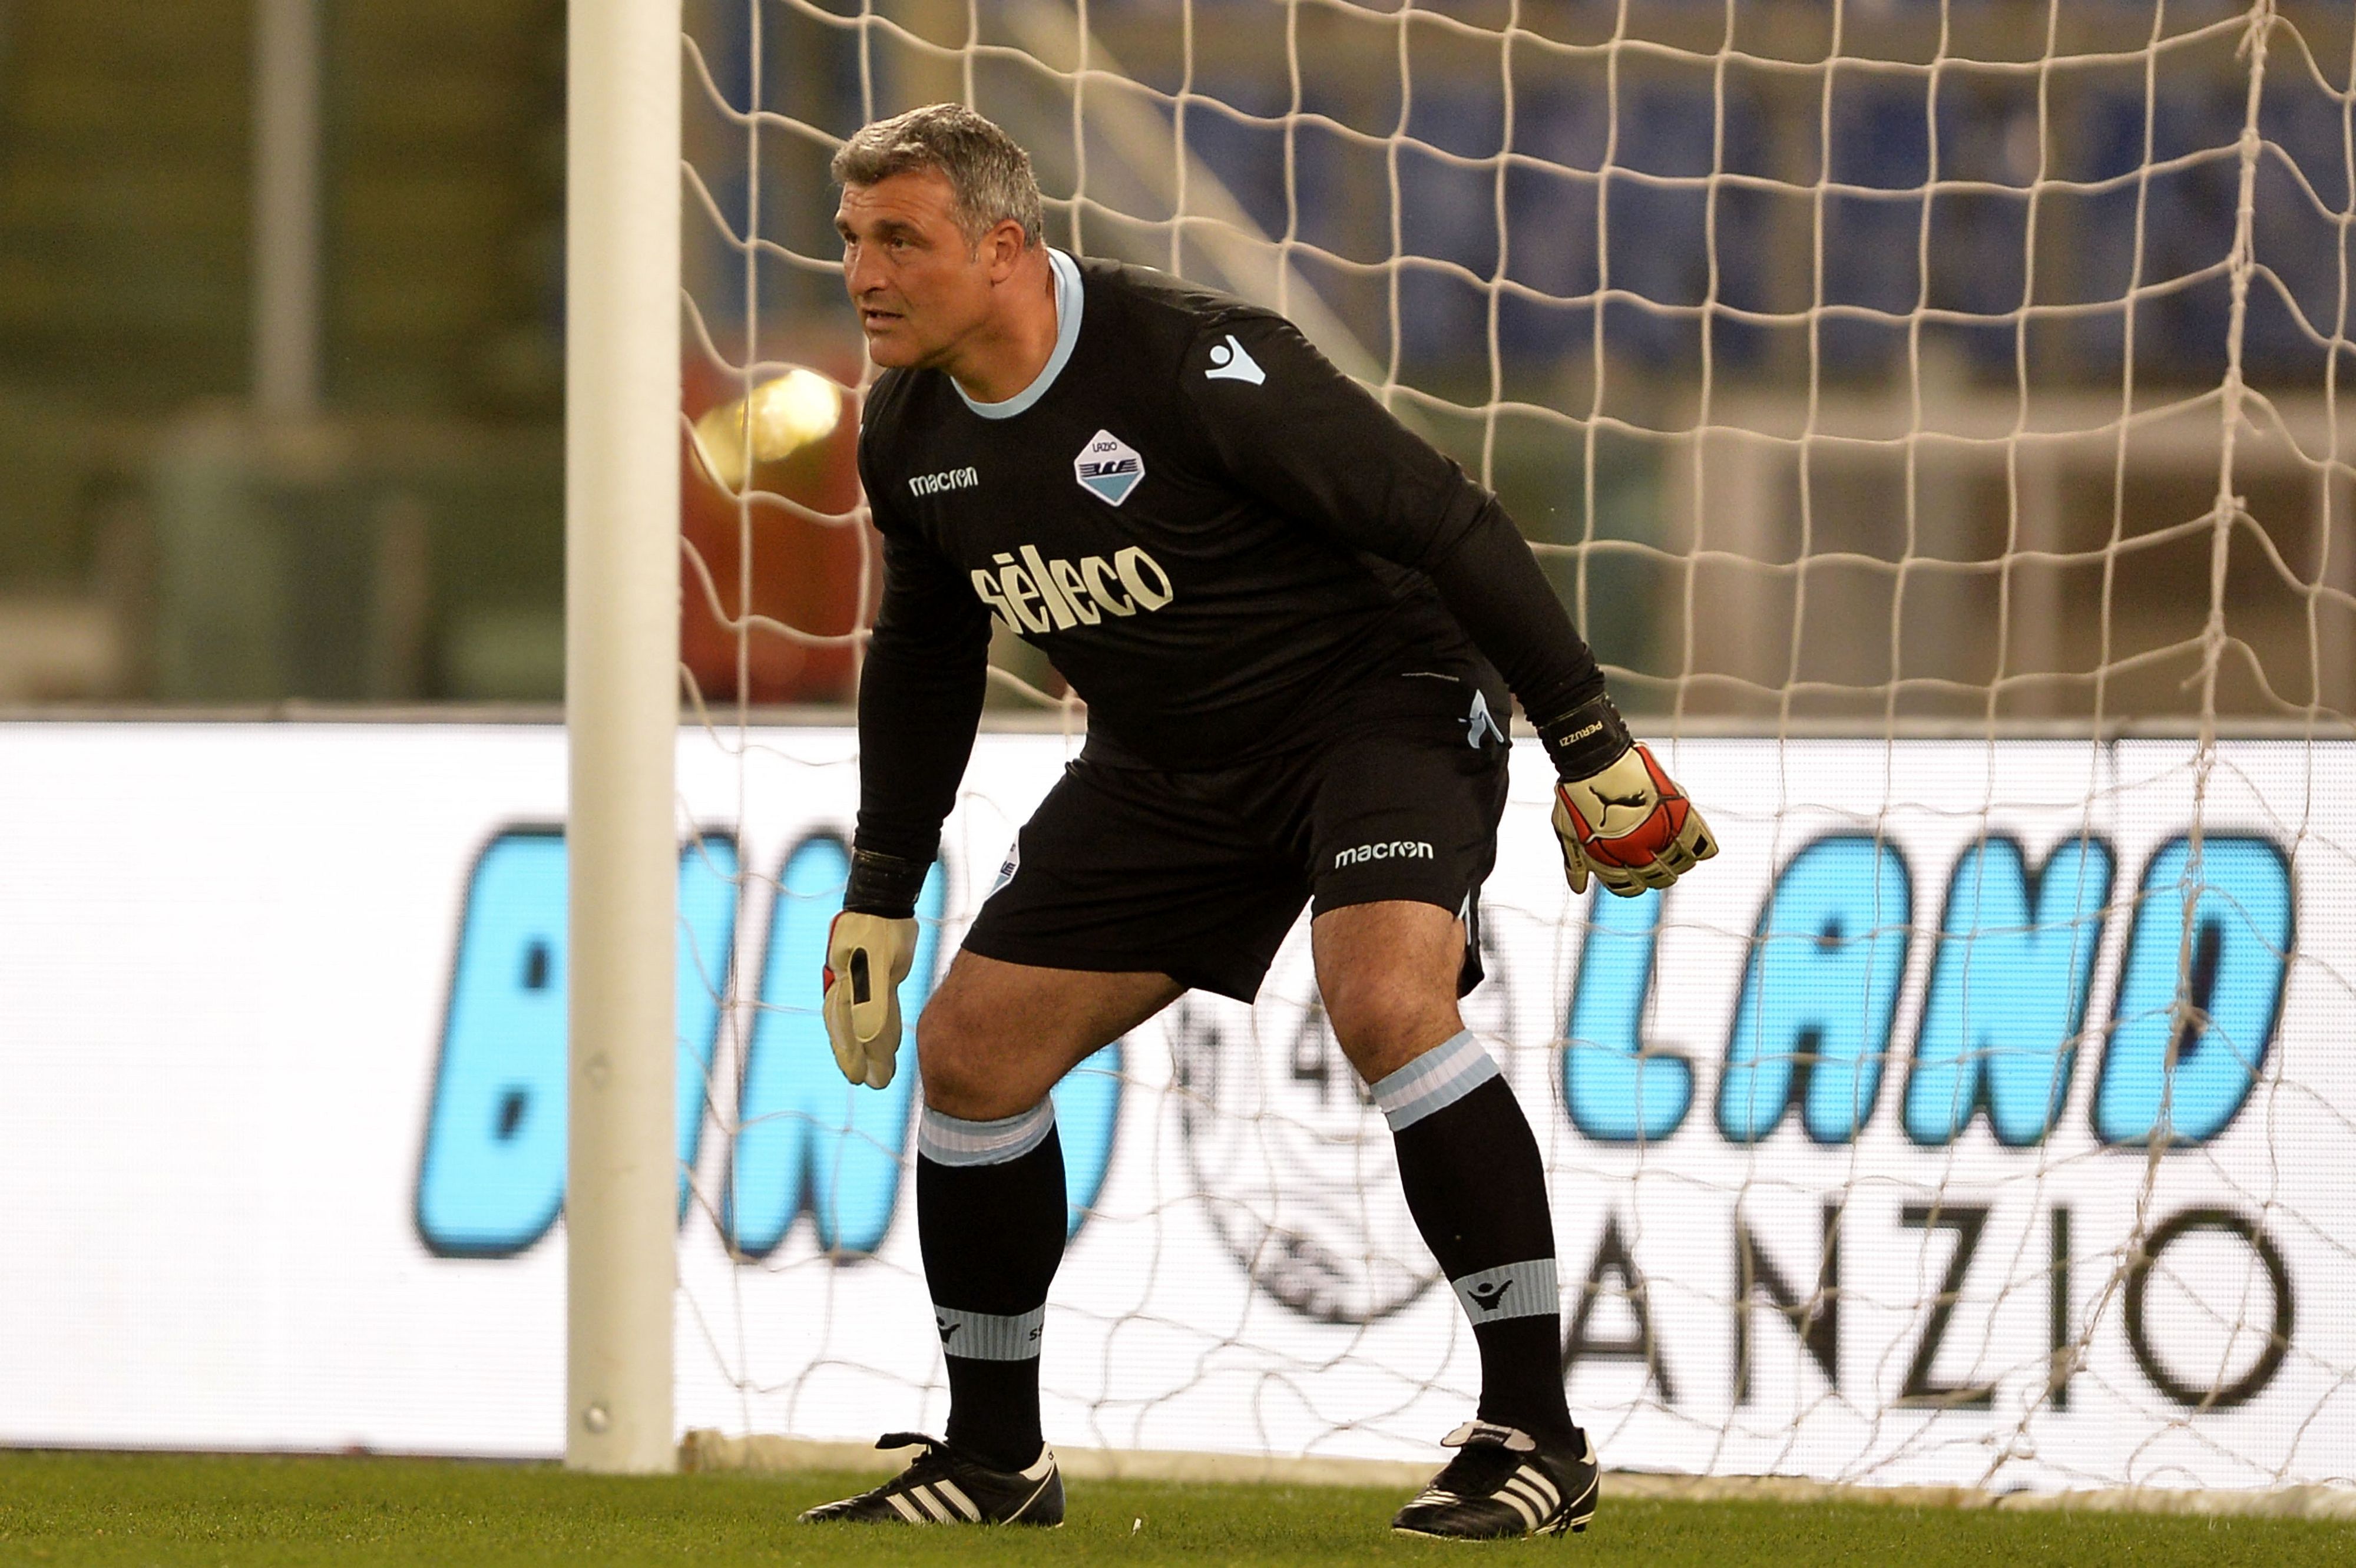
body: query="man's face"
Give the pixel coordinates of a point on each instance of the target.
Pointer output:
(921, 287)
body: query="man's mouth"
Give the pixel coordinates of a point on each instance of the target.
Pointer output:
(877, 320)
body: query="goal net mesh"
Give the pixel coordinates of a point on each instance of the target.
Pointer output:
(1928, 409)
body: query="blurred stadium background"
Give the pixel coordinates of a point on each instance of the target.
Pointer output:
(218, 496)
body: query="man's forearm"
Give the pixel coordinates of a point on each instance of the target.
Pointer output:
(916, 720)
(1492, 584)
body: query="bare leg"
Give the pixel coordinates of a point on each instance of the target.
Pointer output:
(996, 1037)
(1388, 972)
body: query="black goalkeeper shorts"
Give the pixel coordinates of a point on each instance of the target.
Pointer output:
(1199, 876)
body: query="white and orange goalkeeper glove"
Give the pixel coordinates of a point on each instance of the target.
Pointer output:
(1616, 810)
(869, 949)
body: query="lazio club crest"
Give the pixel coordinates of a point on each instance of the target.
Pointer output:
(1108, 467)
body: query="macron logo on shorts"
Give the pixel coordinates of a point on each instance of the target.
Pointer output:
(1398, 849)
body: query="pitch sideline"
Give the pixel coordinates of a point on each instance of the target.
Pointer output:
(704, 1449)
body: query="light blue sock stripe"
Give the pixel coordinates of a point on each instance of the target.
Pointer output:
(1434, 1080)
(986, 1337)
(952, 1141)
(1513, 1290)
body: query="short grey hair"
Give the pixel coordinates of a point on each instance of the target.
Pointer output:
(991, 175)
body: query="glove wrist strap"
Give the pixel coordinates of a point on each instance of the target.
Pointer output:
(1586, 740)
(883, 884)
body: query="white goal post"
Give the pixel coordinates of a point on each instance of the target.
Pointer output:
(621, 717)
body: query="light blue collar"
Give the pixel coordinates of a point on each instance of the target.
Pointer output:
(1067, 333)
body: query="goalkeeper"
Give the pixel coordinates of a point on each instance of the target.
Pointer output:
(1295, 626)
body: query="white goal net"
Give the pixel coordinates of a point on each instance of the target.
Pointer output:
(1929, 411)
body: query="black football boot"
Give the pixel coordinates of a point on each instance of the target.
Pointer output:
(942, 1486)
(1505, 1483)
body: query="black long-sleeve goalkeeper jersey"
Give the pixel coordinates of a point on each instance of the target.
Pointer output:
(1218, 539)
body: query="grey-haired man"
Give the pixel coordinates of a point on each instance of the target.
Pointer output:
(1295, 625)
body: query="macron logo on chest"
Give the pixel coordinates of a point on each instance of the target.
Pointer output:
(922, 485)
(1108, 467)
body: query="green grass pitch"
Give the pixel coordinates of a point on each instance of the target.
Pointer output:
(166, 1510)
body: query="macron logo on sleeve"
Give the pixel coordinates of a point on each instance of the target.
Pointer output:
(1230, 363)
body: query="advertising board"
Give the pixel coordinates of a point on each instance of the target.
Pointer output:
(1978, 1116)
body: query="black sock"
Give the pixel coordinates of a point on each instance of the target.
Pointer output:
(990, 1218)
(1477, 1189)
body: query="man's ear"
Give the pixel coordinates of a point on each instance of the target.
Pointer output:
(1003, 245)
